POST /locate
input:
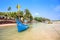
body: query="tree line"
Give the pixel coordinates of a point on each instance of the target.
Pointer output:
(26, 15)
(41, 19)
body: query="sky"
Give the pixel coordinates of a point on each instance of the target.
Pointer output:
(40, 8)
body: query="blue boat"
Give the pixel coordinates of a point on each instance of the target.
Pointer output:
(21, 26)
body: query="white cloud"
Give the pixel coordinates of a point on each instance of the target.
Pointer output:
(36, 14)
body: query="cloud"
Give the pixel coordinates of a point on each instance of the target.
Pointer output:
(36, 14)
(57, 8)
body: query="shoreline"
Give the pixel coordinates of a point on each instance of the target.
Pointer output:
(3, 25)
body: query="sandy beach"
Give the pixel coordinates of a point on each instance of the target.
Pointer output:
(38, 31)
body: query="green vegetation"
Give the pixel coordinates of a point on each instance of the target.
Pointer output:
(9, 8)
(26, 15)
(41, 19)
(13, 15)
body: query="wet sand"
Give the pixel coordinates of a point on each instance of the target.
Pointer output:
(38, 31)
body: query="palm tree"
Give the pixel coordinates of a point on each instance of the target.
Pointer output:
(19, 13)
(7, 14)
(28, 15)
(18, 7)
(12, 15)
(9, 8)
(2, 14)
(21, 16)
